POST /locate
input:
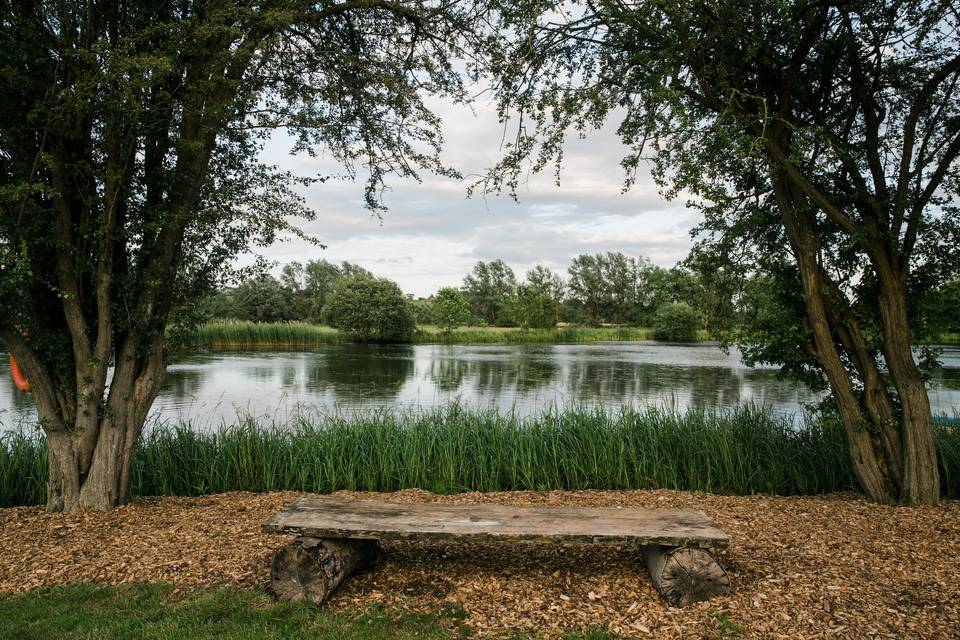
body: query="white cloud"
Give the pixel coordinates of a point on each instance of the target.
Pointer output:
(432, 233)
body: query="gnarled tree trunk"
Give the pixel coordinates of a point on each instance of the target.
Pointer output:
(921, 480)
(90, 444)
(892, 453)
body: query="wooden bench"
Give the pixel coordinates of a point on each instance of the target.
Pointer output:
(336, 536)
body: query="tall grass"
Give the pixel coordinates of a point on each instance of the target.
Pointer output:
(23, 468)
(742, 451)
(227, 335)
(558, 335)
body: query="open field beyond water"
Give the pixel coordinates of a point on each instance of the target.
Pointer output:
(245, 335)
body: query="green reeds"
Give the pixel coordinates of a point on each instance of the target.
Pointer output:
(23, 467)
(741, 451)
(243, 335)
(558, 335)
(247, 335)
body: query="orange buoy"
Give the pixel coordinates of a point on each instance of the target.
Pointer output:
(19, 379)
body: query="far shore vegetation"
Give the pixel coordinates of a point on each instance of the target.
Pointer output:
(244, 335)
(603, 297)
(741, 451)
(233, 334)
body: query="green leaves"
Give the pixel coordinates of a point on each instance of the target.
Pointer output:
(371, 309)
(449, 309)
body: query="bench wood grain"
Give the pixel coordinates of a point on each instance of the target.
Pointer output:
(337, 517)
(336, 537)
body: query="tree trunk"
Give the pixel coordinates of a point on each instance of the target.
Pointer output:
(684, 575)
(91, 460)
(106, 485)
(310, 569)
(893, 456)
(921, 477)
(875, 464)
(63, 473)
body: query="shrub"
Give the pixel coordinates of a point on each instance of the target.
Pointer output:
(449, 309)
(531, 309)
(422, 311)
(371, 309)
(676, 322)
(262, 299)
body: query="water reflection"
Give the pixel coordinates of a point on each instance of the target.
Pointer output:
(15, 406)
(360, 372)
(211, 387)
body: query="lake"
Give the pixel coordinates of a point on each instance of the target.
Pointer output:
(214, 386)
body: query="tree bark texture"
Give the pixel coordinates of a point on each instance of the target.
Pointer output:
(892, 452)
(684, 575)
(310, 569)
(91, 444)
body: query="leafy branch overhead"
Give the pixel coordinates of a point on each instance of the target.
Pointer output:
(820, 141)
(131, 178)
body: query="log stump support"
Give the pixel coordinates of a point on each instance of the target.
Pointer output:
(338, 535)
(310, 569)
(684, 575)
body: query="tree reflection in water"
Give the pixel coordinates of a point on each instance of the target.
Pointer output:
(525, 378)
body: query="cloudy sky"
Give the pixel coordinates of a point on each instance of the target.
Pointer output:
(432, 234)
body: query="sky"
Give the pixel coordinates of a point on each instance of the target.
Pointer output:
(432, 234)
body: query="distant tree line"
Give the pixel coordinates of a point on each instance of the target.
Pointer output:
(597, 289)
(301, 293)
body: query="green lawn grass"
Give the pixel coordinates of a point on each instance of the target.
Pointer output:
(156, 612)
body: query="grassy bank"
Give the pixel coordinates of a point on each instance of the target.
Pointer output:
(558, 335)
(743, 451)
(254, 335)
(233, 335)
(149, 611)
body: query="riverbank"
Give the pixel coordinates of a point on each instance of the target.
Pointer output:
(742, 451)
(802, 567)
(251, 335)
(287, 335)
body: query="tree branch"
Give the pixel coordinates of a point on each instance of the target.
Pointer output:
(916, 211)
(909, 137)
(816, 196)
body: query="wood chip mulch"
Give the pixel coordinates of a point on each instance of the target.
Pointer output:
(825, 567)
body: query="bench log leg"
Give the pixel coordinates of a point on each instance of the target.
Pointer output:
(684, 575)
(309, 569)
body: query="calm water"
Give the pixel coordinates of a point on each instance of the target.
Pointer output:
(211, 387)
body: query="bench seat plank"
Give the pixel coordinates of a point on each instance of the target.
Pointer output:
(339, 517)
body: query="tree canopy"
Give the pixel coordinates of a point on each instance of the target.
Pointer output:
(370, 309)
(485, 288)
(820, 141)
(130, 177)
(449, 309)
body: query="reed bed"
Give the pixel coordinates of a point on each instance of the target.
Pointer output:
(233, 335)
(558, 335)
(742, 451)
(243, 335)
